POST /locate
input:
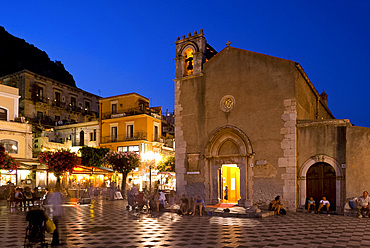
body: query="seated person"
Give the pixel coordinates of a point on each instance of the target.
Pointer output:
(324, 202)
(184, 205)
(199, 204)
(140, 200)
(363, 205)
(28, 195)
(275, 205)
(311, 203)
(19, 197)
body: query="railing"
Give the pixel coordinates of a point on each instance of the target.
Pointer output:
(121, 138)
(129, 112)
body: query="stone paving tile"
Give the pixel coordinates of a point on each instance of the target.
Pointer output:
(108, 224)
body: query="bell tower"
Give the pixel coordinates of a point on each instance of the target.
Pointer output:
(190, 55)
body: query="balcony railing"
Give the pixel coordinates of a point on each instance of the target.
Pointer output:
(132, 111)
(122, 138)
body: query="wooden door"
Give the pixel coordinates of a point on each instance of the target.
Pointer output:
(321, 181)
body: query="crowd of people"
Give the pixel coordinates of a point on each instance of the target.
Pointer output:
(156, 201)
(24, 197)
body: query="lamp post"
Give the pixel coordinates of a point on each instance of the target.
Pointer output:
(149, 157)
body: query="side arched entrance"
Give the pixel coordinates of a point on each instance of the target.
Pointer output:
(229, 150)
(321, 181)
(322, 175)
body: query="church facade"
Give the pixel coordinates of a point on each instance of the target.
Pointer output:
(254, 126)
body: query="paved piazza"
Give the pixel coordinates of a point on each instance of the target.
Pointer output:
(108, 224)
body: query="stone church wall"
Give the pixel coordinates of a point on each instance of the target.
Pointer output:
(358, 161)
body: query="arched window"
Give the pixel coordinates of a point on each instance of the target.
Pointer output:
(3, 114)
(11, 146)
(188, 62)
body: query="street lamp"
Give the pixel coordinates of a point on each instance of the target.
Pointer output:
(149, 157)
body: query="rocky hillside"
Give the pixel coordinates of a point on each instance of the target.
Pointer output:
(16, 55)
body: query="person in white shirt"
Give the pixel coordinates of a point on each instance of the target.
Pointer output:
(324, 202)
(363, 205)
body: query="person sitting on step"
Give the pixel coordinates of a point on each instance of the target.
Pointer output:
(311, 203)
(363, 205)
(324, 202)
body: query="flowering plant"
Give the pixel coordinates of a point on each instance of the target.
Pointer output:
(122, 162)
(7, 162)
(59, 161)
(167, 165)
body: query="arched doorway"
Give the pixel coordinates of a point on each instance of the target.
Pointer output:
(228, 153)
(321, 181)
(82, 138)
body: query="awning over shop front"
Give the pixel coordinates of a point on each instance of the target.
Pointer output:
(27, 164)
(80, 169)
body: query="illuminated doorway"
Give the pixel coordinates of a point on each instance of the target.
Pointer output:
(230, 176)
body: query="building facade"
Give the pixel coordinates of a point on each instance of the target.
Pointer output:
(16, 137)
(127, 123)
(250, 121)
(46, 103)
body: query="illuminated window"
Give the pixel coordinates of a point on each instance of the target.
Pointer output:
(188, 62)
(11, 146)
(128, 149)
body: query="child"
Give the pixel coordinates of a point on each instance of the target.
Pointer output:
(311, 203)
(324, 202)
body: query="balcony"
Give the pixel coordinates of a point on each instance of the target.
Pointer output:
(123, 138)
(130, 112)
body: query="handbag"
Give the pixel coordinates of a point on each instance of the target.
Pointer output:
(50, 226)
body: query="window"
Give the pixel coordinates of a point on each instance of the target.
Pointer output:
(87, 105)
(3, 114)
(113, 134)
(130, 131)
(11, 146)
(128, 149)
(57, 99)
(156, 133)
(82, 138)
(93, 136)
(73, 101)
(40, 116)
(40, 93)
(114, 108)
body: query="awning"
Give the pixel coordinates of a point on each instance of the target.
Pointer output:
(80, 169)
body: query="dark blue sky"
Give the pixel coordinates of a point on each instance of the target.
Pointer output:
(117, 47)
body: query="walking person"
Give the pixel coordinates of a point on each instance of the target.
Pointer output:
(171, 202)
(56, 200)
(226, 196)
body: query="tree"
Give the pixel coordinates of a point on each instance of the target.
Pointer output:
(122, 162)
(91, 156)
(59, 162)
(7, 162)
(167, 165)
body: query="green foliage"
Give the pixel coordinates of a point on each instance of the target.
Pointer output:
(167, 165)
(91, 156)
